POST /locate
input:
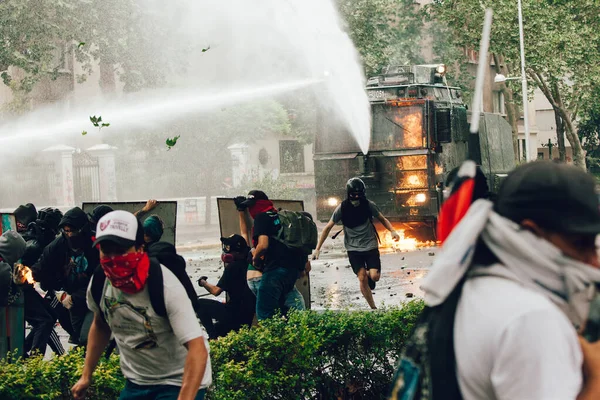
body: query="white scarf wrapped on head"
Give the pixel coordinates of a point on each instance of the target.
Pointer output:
(524, 257)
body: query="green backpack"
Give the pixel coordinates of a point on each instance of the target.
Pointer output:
(298, 231)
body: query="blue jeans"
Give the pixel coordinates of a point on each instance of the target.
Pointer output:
(274, 286)
(134, 391)
(293, 300)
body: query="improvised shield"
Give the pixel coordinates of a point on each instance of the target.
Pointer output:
(166, 210)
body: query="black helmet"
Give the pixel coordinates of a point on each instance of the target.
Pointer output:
(50, 218)
(355, 188)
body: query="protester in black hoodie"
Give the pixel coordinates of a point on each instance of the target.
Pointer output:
(24, 215)
(38, 312)
(68, 264)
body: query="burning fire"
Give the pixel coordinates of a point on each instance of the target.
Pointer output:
(404, 244)
(438, 170)
(413, 129)
(411, 162)
(25, 273)
(415, 179)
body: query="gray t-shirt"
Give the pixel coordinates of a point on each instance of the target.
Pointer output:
(152, 347)
(362, 237)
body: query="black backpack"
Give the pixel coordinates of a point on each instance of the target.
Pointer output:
(155, 286)
(427, 365)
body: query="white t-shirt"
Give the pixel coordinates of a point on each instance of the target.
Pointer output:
(512, 343)
(152, 347)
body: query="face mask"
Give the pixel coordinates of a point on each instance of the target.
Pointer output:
(76, 241)
(127, 272)
(227, 258)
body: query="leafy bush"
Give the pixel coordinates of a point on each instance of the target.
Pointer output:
(311, 355)
(36, 378)
(316, 355)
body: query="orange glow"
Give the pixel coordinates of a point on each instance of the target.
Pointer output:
(412, 180)
(404, 244)
(438, 170)
(25, 273)
(411, 162)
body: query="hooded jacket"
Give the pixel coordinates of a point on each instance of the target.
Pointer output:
(12, 247)
(167, 255)
(52, 268)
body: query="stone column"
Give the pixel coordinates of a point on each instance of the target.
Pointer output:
(62, 157)
(106, 163)
(239, 157)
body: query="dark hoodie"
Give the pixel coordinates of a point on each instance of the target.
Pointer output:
(24, 215)
(68, 263)
(12, 247)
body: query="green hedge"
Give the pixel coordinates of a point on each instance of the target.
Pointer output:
(312, 355)
(36, 378)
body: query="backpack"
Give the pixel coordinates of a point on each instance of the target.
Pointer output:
(154, 282)
(298, 231)
(427, 365)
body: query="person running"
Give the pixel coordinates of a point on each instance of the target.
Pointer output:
(356, 214)
(162, 357)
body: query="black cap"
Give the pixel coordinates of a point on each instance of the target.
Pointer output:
(235, 242)
(558, 197)
(257, 195)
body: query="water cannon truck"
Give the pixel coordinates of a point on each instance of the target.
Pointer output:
(419, 132)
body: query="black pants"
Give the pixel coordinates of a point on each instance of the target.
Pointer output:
(81, 319)
(225, 317)
(40, 316)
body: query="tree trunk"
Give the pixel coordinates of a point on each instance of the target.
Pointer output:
(560, 138)
(571, 133)
(107, 77)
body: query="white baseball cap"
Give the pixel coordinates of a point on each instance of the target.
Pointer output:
(119, 227)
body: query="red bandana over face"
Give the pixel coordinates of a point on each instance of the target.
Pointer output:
(127, 272)
(260, 206)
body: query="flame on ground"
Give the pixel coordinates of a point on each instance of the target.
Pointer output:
(404, 244)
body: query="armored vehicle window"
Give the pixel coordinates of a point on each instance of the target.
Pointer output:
(397, 127)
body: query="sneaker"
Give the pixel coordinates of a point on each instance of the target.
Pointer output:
(371, 283)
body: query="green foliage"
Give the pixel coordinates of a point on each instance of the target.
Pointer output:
(310, 355)
(384, 31)
(313, 355)
(172, 142)
(561, 47)
(36, 378)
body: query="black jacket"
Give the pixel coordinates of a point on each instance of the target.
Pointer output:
(52, 269)
(167, 255)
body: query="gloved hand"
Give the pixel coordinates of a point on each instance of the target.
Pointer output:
(239, 203)
(201, 279)
(316, 254)
(395, 236)
(65, 299)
